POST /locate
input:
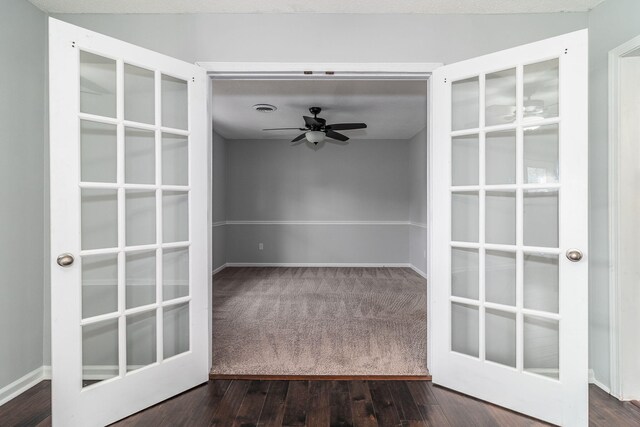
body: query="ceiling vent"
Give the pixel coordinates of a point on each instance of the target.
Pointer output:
(264, 108)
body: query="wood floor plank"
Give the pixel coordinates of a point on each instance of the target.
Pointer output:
(603, 408)
(202, 412)
(340, 404)
(319, 413)
(362, 404)
(273, 410)
(220, 402)
(383, 404)
(431, 412)
(462, 411)
(230, 404)
(30, 408)
(296, 405)
(251, 407)
(407, 408)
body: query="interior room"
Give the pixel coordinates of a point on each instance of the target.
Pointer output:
(300, 213)
(344, 221)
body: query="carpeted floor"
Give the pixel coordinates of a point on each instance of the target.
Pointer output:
(319, 321)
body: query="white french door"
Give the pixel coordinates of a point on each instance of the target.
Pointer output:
(128, 226)
(509, 282)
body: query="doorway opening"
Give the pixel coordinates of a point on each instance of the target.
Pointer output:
(624, 131)
(320, 248)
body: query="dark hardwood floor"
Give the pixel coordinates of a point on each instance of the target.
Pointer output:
(319, 403)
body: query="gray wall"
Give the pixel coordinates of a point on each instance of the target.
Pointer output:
(247, 37)
(610, 24)
(267, 180)
(22, 135)
(418, 201)
(353, 38)
(219, 201)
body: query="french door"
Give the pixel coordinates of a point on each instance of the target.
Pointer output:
(510, 238)
(128, 226)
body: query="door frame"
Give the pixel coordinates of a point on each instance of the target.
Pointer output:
(322, 71)
(616, 281)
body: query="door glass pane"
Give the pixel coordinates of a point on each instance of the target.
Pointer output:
(500, 217)
(141, 340)
(465, 104)
(541, 154)
(500, 157)
(541, 354)
(175, 159)
(464, 273)
(99, 218)
(465, 329)
(141, 278)
(99, 351)
(500, 333)
(99, 285)
(541, 282)
(464, 164)
(98, 144)
(97, 85)
(141, 217)
(175, 216)
(500, 277)
(500, 95)
(464, 217)
(541, 90)
(139, 156)
(139, 94)
(175, 273)
(541, 218)
(174, 103)
(176, 329)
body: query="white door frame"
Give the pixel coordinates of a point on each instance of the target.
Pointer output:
(323, 71)
(616, 283)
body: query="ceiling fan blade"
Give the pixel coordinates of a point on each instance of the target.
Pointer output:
(347, 126)
(313, 121)
(336, 135)
(285, 129)
(298, 138)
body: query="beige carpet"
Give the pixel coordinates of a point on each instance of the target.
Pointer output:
(319, 321)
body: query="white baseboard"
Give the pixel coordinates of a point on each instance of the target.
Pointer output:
(315, 264)
(594, 381)
(21, 385)
(222, 267)
(417, 270)
(271, 264)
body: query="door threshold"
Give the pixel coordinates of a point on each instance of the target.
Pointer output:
(427, 377)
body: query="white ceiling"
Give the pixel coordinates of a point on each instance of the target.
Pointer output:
(314, 6)
(391, 109)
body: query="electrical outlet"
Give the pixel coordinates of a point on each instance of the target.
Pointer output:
(260, 246)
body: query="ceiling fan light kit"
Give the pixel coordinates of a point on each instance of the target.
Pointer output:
(315, 136)
(316, 129)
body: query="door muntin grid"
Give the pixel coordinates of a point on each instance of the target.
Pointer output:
(505, 191)
(135, 210)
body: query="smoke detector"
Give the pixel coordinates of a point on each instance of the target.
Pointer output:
(264, 108)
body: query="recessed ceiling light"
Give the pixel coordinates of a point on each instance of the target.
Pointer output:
(264, 108)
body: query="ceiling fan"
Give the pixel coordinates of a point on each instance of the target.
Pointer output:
(316, 129)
